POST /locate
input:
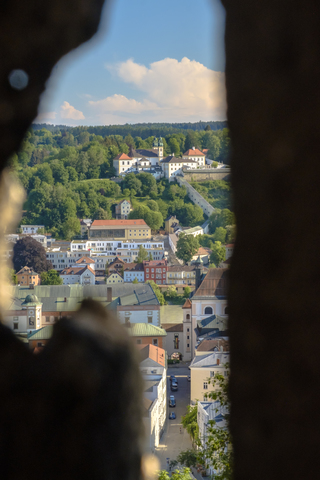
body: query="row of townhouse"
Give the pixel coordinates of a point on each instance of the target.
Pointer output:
(103, 252)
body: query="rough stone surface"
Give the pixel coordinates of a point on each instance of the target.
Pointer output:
(273, 78)
(34, 35)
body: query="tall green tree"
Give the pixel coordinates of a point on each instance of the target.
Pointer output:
(157, 291)
(187, 246)
(190, 423)
(218, 254)
(178, 474)
(51, 278)
(142, 255)
(218, 447)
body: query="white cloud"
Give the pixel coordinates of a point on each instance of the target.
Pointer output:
(173, 91)
(68, 111)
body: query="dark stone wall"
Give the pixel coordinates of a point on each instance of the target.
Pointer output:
(34, 35)
(273, 78)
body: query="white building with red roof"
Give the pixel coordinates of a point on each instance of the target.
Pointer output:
(78, 275)
(196, 155)
(85, 262)
(122, 163)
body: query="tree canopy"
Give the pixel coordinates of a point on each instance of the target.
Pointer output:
(187, 246)
(51, 278)
(218, 254)
(27, 252)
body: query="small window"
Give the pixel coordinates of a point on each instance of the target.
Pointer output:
(155, 342)
(139, 341)
(188, 318)
(15, 326)
(211, 374)
(188, 329)
(127, 320)
(188, 345)
(208, 311)
(205, 385)
(226, 311)
(39, 344)
(149, 319)
(187, 337)
(47, 319)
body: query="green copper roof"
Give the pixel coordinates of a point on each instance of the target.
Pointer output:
(43, 333)
(146, 330)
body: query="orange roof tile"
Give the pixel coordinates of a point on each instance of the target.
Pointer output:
(194, 152)
(85, 260)
(115, 223)
(122, 156)
(187, 303)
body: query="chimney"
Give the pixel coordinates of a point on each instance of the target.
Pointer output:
(109, 294)
(193, 148)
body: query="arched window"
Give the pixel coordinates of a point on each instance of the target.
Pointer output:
(208, 311)
(188, 316)
(226, 311)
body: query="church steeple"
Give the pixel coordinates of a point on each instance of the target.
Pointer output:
(155, 142)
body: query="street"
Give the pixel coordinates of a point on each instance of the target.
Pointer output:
(172, 441)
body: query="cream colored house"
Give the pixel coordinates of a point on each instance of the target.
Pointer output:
(80, 275)
(172, 166)
(113, 278)
(195, 155)
(210, 302)
(204, 367)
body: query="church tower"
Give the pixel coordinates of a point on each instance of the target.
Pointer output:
(160, 149)
(187, 334)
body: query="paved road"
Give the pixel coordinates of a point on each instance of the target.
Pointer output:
(172, 441)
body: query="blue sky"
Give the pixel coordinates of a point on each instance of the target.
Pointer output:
(150, 62)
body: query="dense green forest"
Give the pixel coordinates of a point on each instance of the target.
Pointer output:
(67, 176)
(143, 130)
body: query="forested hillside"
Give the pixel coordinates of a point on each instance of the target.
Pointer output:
(67, 176)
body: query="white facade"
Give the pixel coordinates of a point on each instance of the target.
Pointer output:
(140, 314)
(157, 393)
(84, 278)
(208, 412)
(172, 166)
(194, 231)
(129, 276)
(31, 229)
(195, 155)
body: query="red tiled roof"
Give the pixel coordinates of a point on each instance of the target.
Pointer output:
(203, 251)
(187, 303)
(173, 327)
(214, 283)
(85, 260)
(156, 354)
(155, 263)
(116, 223)
(194, 152)
(122, 156)
(133, 266)
(76, 270)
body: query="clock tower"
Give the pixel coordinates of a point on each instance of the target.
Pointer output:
(34, 312)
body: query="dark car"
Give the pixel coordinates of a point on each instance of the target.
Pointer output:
(172, 401)
(174, 387)
(173, 379)
(172, 416)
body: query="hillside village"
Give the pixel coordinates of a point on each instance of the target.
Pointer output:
(167, 286)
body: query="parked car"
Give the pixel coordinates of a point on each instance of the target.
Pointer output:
(189, 378)
(173, 379)
(172, 401)
(172, 416)
(174, 387)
